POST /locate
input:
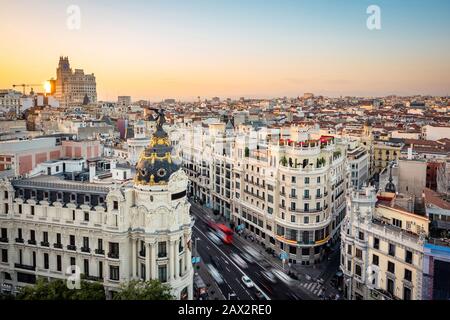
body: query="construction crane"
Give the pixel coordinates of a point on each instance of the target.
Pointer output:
(24, 85)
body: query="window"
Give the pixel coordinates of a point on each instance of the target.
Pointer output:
(32, 210)
(114, 273)
(4, 255)
(100, 269)
(58, 263)
(72, 262)
(406, 293)
(390, 286)
(292, 206)
(85, 242)
(292, 218)
(318, 179)
(20, 209)
(396, 222)
(375, 260)
(19, 233)
(4, 233)
(349, 265)
(114, 250)
(86, 266)
(58, 238)
(73, 215)
(376, 243)
(391, 249)
(270, 198)
(408, 256)
(6, 208)
(305, 220)
(32, 235)
(115, 205)
(306, 207)
(349, 249)
(358, 253)
(46, 264)
(361, 235)
(269, 210)
(162, 273)
(86, 216)
(358, 270)
(293, 180)
(162, 249)
(391, 267)
(408, 275)
(72, 240)
(306, 180)
(100, 244)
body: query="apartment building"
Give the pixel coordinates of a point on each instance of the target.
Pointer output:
(382, 247)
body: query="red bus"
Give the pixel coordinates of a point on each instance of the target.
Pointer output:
(223, 232)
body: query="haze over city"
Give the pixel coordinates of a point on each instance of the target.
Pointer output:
(178, 49)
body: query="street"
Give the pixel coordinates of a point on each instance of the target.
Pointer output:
(232, 273)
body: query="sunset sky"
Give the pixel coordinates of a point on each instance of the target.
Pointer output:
(188, 48)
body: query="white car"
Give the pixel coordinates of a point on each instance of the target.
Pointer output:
(215, 274)
(248, 257)
(255, 254)
(269, 276)
(239, 261)
(248, 282)
(282, 276)
(214, 238)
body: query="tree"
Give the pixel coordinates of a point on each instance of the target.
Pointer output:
(58, 290)
(144, 290)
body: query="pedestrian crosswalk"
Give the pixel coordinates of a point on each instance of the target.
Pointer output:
(313, 287)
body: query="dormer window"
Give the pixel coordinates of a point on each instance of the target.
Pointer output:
(73, 197)
(33, 194)
(59, 196)
(45, 195)
(87, 199)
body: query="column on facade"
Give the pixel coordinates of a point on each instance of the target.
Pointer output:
(148, 262)
(187, 255)
(176, 259)
(171, 259)
(133, 258)
(154, 273)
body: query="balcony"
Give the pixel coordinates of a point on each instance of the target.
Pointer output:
(305, 197)
(24, 267)
(32, 242)
(71, 247)
(85, 249)
(113, 255)
(4, 240)
(99, 251)
(45, 244)
(318, 196)
(19, 240)
(58, 245)
(293, 196)
(92, 278)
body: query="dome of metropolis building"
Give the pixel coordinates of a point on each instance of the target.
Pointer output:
(155, 164)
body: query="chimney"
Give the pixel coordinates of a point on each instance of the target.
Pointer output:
(91, 171)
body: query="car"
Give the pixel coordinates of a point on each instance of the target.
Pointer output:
(215, 273)
(216, 262)
(247, 282)
(259, 296)
(214, 238)
(248, 258)
(255, 254)
(282, 276)
(239, 261)
(269, 276)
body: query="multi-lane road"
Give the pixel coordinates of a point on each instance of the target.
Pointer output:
(232, 273)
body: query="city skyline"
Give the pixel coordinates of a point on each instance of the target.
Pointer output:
(177, 50)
